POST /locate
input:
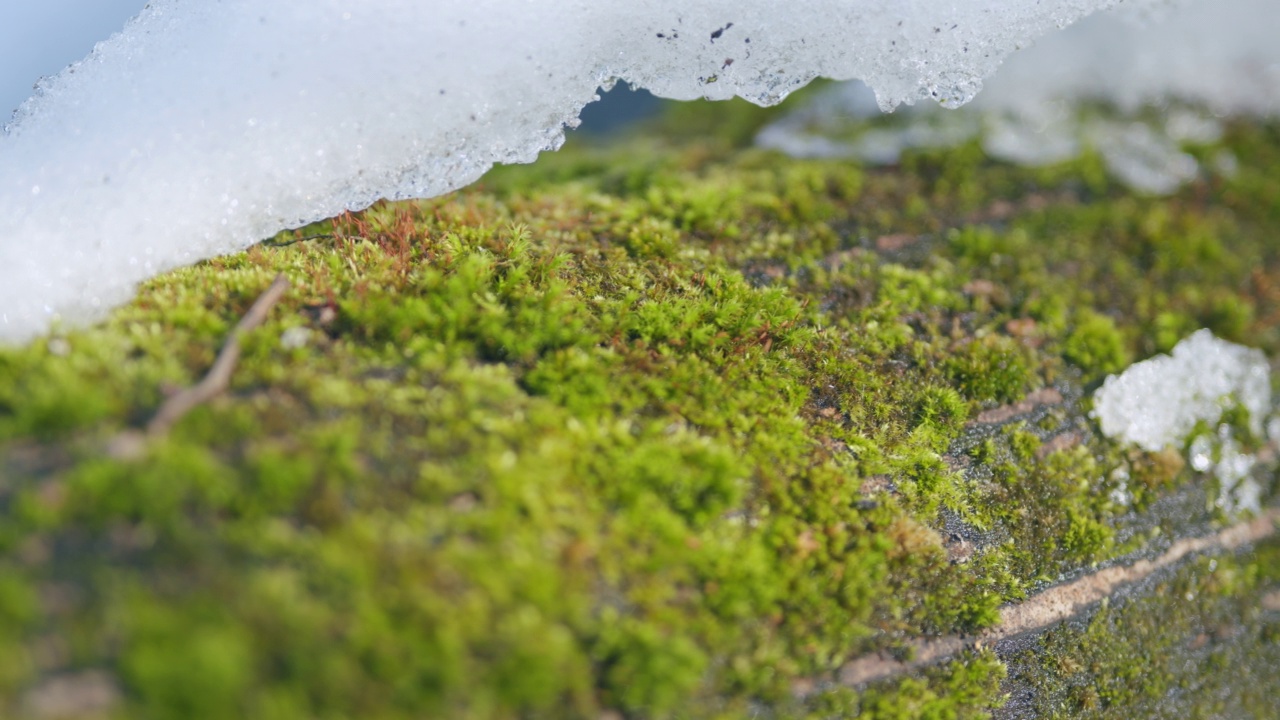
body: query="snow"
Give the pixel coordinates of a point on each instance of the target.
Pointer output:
(1156, 403)
(207, 125)
(1192, 60)
(1159, 403)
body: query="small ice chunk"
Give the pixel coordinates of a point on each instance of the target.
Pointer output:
(1237, 491)
(1201, 453)
(1245, 497)
(1156, 403)
(1233, 465)
(1121, 495)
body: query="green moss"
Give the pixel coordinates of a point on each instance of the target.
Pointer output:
(183, 668)
(1194, 645)
(1095, 345)
(667, 429)
(960, 689)
(942, 409)
(989, 369)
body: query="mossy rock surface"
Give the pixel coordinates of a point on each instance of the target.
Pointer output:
(665, 429)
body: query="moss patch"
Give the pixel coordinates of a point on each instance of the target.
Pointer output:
(1200, 642)
(665, 429)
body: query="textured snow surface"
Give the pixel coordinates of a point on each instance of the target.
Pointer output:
(1218, 55)
(1157, 403)
(210, 124)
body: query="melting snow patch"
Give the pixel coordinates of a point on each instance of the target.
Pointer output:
(207, 125)
(1159, 402)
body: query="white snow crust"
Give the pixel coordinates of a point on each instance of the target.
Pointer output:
(207, 125)
(1156, 403)
(1194, 60)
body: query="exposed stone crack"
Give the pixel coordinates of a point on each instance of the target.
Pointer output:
(1052, 606)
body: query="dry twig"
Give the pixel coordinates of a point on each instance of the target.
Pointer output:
(219, 376)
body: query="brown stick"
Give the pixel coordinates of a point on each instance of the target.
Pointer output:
(219, 375)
